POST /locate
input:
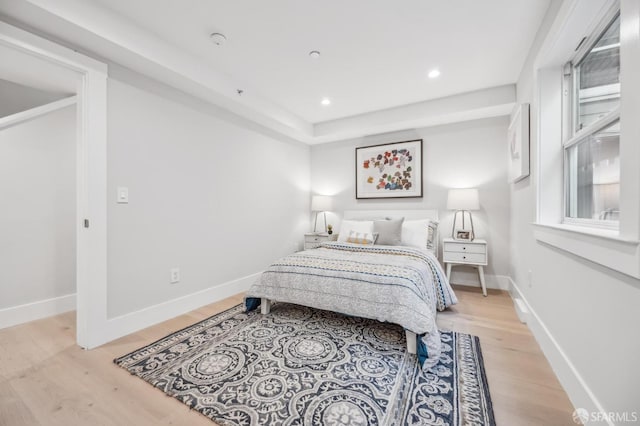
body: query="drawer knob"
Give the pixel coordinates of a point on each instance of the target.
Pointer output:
(464, 248)
(464, 257)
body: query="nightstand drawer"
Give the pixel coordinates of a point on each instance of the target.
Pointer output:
(312, 241)
(465, 248)
(316, 238)
(451, 256)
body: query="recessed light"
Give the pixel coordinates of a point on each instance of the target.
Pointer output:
(325, 101)
(314, 54)
(434, 73)
(218, 38)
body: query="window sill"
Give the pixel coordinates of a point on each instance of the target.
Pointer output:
(602, 246)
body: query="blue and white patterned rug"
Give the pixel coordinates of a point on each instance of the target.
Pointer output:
(302, 366)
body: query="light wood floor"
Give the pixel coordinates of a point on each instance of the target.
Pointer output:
(45, 379)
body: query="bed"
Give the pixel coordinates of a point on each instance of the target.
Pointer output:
(396, 283)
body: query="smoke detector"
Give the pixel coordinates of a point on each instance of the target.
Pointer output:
(218, 38)
(314, 54)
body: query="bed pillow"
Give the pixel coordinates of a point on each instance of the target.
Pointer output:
(419, 233)
(363, 226)
(363, 238)
(432, 234)
(389, 231)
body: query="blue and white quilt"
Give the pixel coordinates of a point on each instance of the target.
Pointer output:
(396, 284)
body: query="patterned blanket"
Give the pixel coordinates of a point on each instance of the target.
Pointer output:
(400, 285)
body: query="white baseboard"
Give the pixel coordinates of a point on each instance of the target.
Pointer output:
(521, 309)
(37, 310)
(134, 321)
(470, 278)
(579, 393)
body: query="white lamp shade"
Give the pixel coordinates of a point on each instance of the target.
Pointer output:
(463, 199)
(321, 203)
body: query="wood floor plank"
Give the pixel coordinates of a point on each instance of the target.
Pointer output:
(12, 408)
(45, 379)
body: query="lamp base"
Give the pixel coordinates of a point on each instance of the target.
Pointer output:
(470, 233)
(315, 224)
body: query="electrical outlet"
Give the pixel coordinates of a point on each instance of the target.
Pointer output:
(175, 275)
(530, 275)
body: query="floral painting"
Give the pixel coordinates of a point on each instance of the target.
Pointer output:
(391, 170)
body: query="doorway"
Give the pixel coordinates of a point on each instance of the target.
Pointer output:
(37, 186)
(44, 58)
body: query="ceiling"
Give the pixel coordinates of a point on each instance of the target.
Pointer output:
(375, 55)
(27, 70)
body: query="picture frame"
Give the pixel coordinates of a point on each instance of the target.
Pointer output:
(390, 170)
(462, 235)
(518, 138)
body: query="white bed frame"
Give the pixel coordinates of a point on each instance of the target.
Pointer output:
(380, 214)
(412, 343)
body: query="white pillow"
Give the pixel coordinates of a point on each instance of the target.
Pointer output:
(418, 233)
(362, 226)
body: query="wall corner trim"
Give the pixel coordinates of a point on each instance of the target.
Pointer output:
(20, 314)
(30, 114)
(577, 389)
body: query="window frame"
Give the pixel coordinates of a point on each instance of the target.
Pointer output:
(572, 136)
(617, 250)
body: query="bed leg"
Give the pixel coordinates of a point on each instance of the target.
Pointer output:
(412, 343)
(265, 305)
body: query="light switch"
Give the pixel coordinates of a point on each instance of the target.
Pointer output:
(123, 195)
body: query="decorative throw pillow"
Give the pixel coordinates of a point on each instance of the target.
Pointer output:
(363, 238)
(432, 234)
(389, 231)
(363, 226)
(419, 233)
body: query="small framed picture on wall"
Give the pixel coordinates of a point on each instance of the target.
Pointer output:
(463, 234)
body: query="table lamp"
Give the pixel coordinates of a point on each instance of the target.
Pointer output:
(320, 204)
(462, 201)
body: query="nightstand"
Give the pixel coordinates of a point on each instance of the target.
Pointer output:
(471, 253)
(312, 240)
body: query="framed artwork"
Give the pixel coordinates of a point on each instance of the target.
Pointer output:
(519, 144)
(392, 170)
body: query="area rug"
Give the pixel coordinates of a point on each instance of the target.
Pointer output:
(302, 366)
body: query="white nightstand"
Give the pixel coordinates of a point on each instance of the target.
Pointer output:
(472, 253)
(312, 240)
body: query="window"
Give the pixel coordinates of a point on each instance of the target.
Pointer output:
(588, 134)
(592, 129)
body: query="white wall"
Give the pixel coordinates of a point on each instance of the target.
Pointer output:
(219, 199)
(590, 311)
(37, 213)
(468, 154)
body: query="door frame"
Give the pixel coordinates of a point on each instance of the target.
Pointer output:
(91, 178)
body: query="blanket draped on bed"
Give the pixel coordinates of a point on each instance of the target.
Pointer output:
(400, 285)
